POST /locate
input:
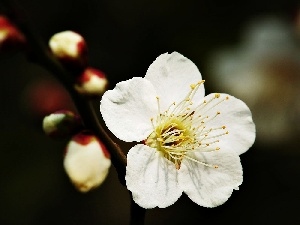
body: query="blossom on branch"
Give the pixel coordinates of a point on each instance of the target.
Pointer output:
(70, 48)
(190, 142)
(61, 124)
(86, 161)
(92, 82)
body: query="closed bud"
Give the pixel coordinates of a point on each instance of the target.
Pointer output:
(70, 48)
(10, 36)
(61, 124)
(86, 161)
(91, 82)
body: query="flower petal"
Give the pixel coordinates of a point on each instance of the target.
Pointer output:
(171, 75)
(151, 178)
(222, 110)
(209, 186)
(128, 108)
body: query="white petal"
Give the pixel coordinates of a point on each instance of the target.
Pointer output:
(151, 178)
(209, 186)
(128, 108)
(235, 116)
(171, 75)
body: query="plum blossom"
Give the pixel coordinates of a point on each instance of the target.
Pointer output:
(189, 142)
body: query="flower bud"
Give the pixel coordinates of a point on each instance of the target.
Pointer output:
(70, 48)
(61, 124)
(10, 37)
(91, 82)
(86, 161)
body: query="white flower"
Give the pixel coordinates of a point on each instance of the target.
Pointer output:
(191, 142)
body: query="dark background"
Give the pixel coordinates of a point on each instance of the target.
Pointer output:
(124, 37)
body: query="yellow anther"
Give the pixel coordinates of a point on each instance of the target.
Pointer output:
(217, 148)
(204, 101)
(218, 113)
(227, 132)
(223, 127)
(217, 95)
(193, 86)
(216, 167)
(227, 97)
(157, 97)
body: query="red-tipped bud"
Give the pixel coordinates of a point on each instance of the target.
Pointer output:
(86, 161)
(91, 82)
(61, 124)
(70, 48)
(10, 36)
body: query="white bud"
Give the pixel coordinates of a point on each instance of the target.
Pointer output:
(91, 82)
(86, 161)
(69, 47)
(61, 124)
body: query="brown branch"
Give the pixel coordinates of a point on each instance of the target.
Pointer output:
(38, 53)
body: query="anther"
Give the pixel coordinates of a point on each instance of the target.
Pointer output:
(216, 167)
(217, 148)
(192, 86)
(217, 95)
(223, 127)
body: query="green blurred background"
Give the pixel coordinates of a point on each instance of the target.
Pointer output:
(124, 37)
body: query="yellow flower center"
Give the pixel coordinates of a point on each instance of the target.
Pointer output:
(181, 129)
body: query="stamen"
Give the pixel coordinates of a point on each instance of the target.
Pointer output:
(158, 104)
(182, 128)
(202, 163)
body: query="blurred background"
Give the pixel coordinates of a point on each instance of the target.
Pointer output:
(249, 49)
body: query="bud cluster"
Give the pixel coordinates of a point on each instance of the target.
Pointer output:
(86, 160)
(70, 49)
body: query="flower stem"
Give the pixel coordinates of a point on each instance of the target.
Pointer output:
(137, 214)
